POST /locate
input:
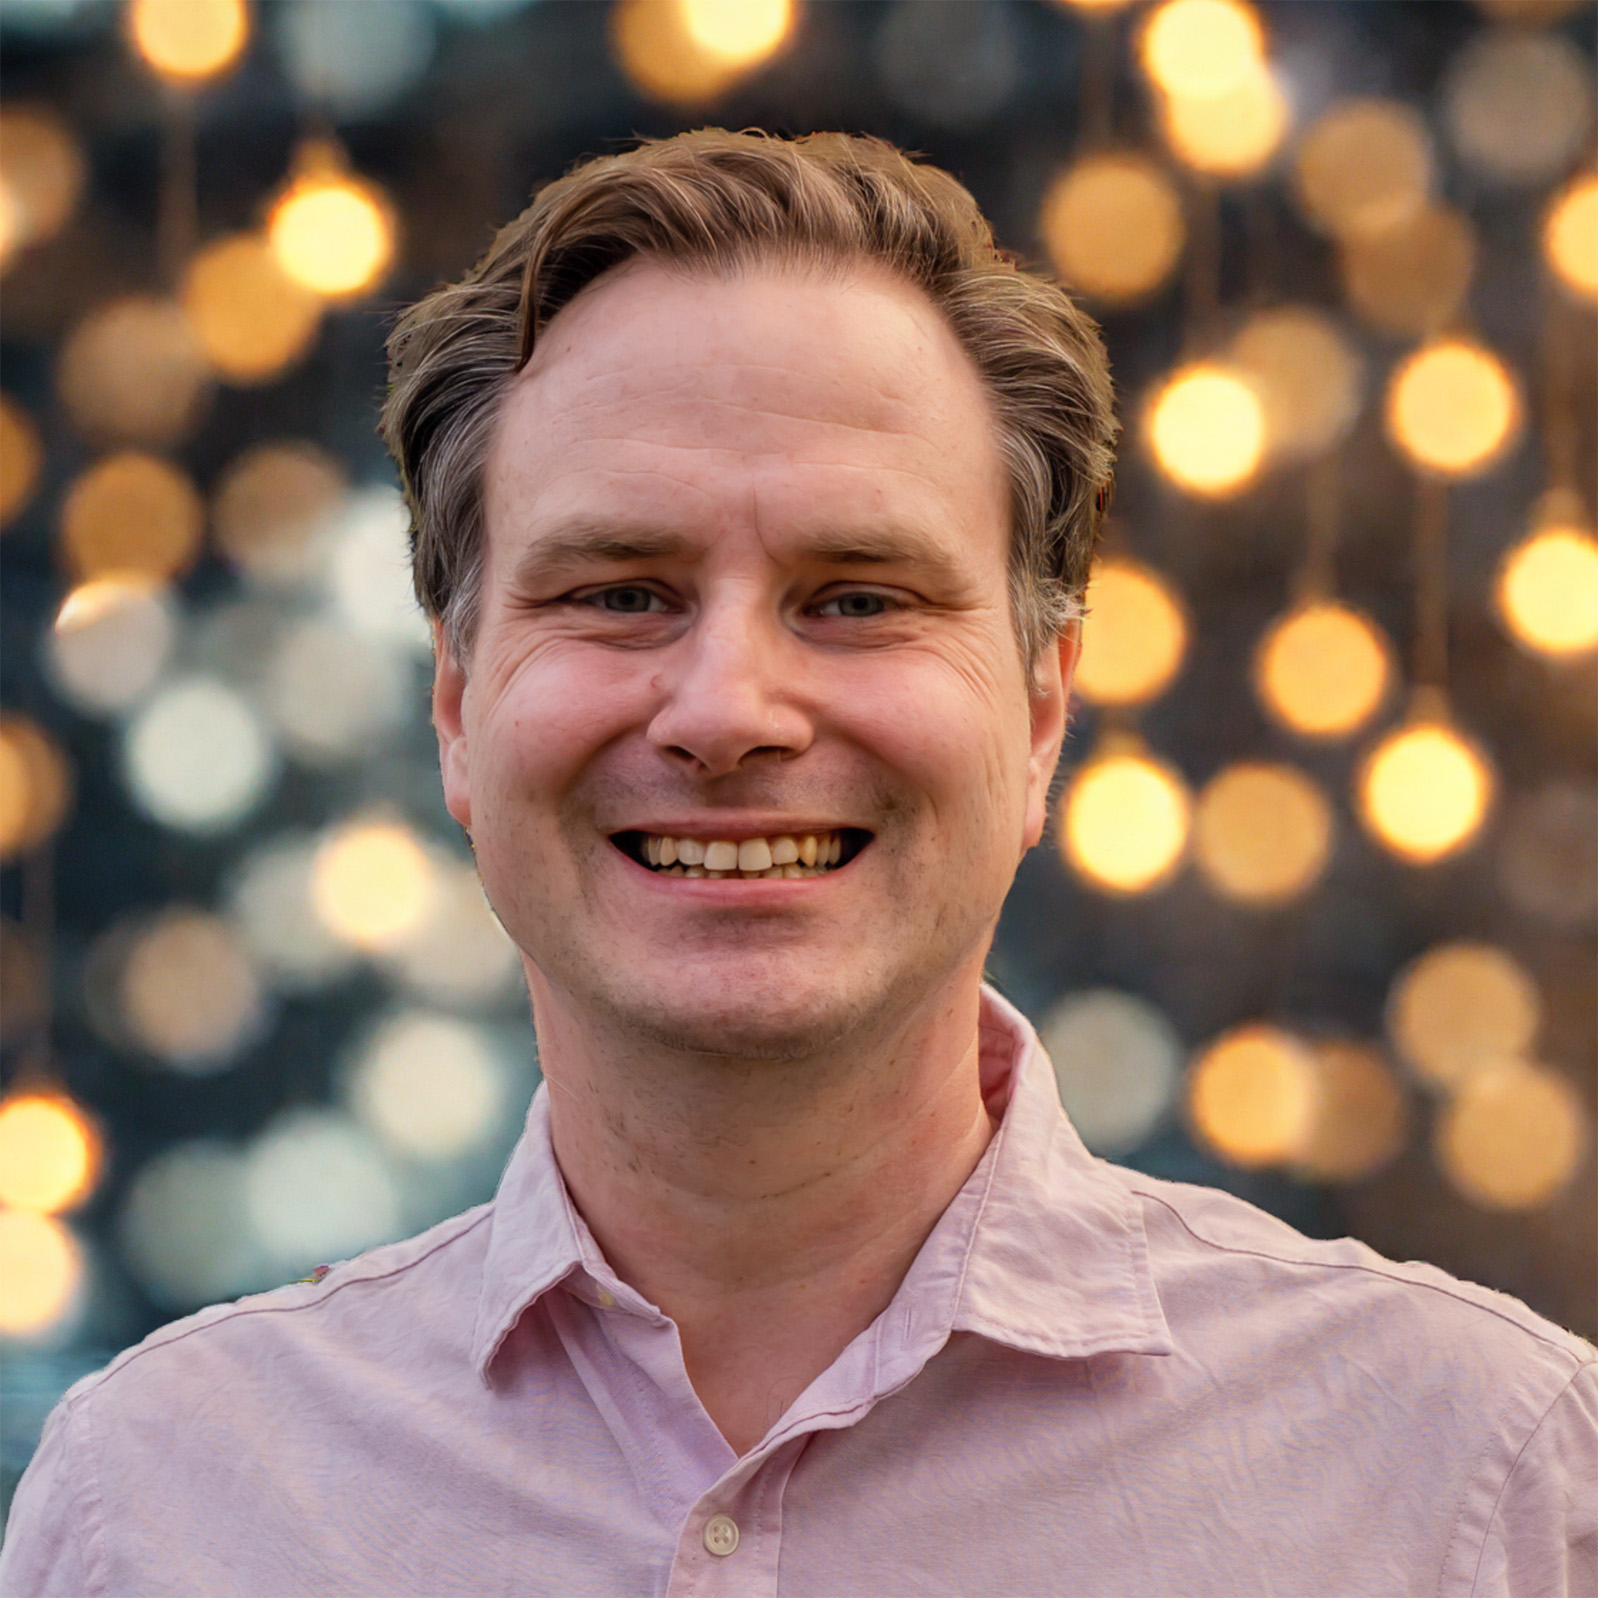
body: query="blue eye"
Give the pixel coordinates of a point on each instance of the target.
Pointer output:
(629, 601)
(856, 606)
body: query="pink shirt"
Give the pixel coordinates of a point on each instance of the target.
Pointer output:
(1090, 1383)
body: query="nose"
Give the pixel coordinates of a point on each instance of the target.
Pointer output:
(728, 691)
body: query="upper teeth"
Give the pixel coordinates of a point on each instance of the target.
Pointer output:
(786, 855)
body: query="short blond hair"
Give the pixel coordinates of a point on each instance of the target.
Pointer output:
(721, 203)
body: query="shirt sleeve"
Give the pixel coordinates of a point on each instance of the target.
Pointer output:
(1543, 1536)
(54, 1533)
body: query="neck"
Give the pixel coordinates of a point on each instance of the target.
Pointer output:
(745, 1199)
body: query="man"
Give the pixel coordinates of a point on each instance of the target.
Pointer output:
(753, 493)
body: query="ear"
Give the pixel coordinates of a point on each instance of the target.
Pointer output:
(449, 706)
(1049, 698)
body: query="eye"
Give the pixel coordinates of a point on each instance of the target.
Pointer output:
(627, 600)
(857, 605)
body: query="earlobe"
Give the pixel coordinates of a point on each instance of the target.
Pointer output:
(449, 723)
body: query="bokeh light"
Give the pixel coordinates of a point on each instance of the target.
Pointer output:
(1124, 823)
(369, 571)
(350, 58)
(458, 954)
(1570, 236)
(1262, 833)
(330, 695)
(317, 1188)
(1251, 1095)
(329, 231)
(131, 514)
(1306, 374)
(21, 459)
(1424, 791)
(252, 319)
(1201, 48)
(1453, 408)
(950, 67)
(1512, 1137)
(1548, 590)
(42, 1275)
(1323, 669)
(35, 785)
(1232, 134)
(271, 901)
(432, 1087)
(1548, 854)
(196, 757)
(1459, 1008)
(1411, 279)
(274, 508)
(1112, 224)
(1207, 429)
(685, 52)
(372, 883)
(134, 372)
(1134, 634)
(49, 1152)
(189, 993)
(1364, 165)
(1518, 106)
(1360, 1117)
(188, 41)
(41, 176)
(1118, 1062)
(111, 641)
(184, 1228)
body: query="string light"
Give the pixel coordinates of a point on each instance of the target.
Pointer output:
(329, 231)
(371, 883)
(1360, 1116)
(1459, 1008)
(41, 1275)
(1262, 833)
(35, 786)
(1251, 1095)
(1113, 227)
(1323, 670)
(1133, 637)
(189, 993)
(21, 459)
(1548, 585)
(1424, 791)
(1124, 823)
(131, 514)
(1570, 236)
(1453, 408)
(189, 41)
(41, 177)
(1410, 279)
(1202, 47)
(49, 1153)
(252, 318)
(687, 51)
(1207, 430)
(1232, 134)
(1365, 166)
(1306, 374)
(738, 32)
(111, 640)
(274, 507)
(1512, 1137)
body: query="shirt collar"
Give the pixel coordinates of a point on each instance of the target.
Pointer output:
(1043, 1249)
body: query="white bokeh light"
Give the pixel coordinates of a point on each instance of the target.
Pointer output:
(369, 570)
(270, 902)
(111, 641)
(333, 695)
(197, 756)
(352, 56)
(458, 954)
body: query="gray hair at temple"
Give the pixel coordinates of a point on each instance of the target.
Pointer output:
(719, 203)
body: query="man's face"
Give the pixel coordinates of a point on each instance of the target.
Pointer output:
(745, 582)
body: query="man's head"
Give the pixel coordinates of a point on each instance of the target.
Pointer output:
(747, 546)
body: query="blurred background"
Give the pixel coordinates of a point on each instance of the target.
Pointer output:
(1318, 921)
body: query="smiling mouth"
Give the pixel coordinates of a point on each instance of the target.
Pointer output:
(781, 856)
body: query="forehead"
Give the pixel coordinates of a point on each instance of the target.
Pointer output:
(779, 395)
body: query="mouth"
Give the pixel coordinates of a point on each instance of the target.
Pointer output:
(787, 855)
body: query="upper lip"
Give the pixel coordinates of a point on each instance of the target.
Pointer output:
(731, 831)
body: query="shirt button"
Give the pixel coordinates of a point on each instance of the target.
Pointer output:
(721, 1535)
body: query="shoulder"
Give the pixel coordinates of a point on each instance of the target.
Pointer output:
(350, 1312)
(1224, 1268)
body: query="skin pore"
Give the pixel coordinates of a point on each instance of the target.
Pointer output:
(746, 579)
